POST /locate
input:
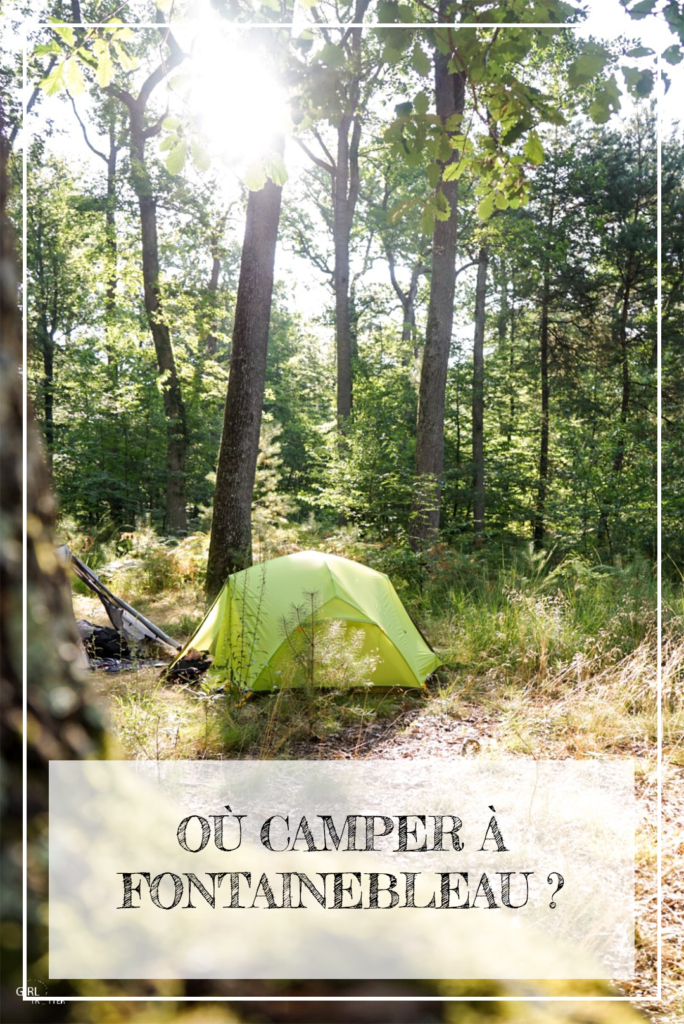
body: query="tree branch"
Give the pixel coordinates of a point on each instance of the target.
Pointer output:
(88, 143)
(312, 156)
(176, 57)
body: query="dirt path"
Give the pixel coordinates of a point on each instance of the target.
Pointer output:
(428, 731)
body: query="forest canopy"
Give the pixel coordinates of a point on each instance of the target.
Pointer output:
(407, 274)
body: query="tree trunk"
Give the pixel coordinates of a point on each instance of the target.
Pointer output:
(48, 346)
(407, 300)
(176, 430)
(75, 730)
(409, 306)
(450, 97)
(478, 401)
(230, 547)
(539, 521)
(624, 365)
(539, 527)
(111, 249)
(342, 222)
(345, 189)
(211, 343)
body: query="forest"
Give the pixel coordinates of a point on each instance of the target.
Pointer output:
(396, 281)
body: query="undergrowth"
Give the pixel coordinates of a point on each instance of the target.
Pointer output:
(559, 649)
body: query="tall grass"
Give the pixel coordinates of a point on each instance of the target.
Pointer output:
(518, 630)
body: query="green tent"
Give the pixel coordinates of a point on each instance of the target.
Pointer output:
(248, 630)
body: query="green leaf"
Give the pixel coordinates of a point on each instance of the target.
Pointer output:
(599, 110)
(51, 47)
(534, 151)
(255, 176)
(332, 56)
(169, 123)
(441, 206)
(64, 32)
(641, 9)
(453, 123)
(419, 61)
(486, 207)
(306, 4)
(587, 67)
(275, 168)
(639, 83)
(421, 103)
(54, 82)
(168, 143)
(127, 61)
(427, 220)
(501, 201)
(517, 130)
(434, 174)
(389, 11)
(640, 51)
(105, 69)
(200, 157)
(673, 54)
(606, 102)
(74, 77)
(398, 211)
(453, 171)
(124, 35)
(175, 161)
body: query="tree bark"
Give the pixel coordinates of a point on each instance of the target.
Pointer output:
(343, 212)
(619, 460)
(407, 299)
(230, 547)
(478, 401)
(450, 97)
(48, 346)
(176, 431)
(174, 411)
(211, 343)
(111, 248)
(539, 521)
(539, 526)
(345, 193)
(76, 729)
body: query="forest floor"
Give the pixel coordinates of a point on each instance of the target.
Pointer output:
(586, 706)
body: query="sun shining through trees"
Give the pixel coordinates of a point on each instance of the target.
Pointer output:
(432, 350)
(236, 100)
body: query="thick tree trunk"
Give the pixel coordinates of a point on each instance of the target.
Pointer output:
(478, 401)
(230, 547)
(176, 431)
(539, 526)
(74, 729)
(450, 97)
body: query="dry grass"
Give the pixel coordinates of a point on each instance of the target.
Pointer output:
(546, 674)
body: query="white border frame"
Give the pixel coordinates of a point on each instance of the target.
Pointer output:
(351, 998)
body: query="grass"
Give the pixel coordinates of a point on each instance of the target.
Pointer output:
(545, 657)
(560, 652)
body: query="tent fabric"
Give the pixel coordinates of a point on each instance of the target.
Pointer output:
(246, 630)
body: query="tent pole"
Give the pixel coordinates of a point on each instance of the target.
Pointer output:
(169, 641)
